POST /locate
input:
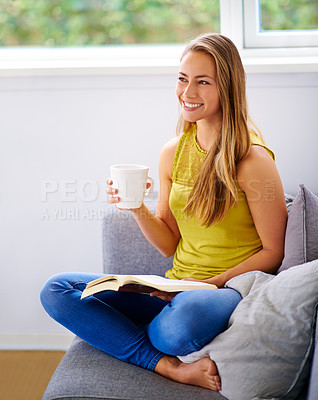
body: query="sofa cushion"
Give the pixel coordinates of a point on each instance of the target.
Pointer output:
(301, 240)
(125, 249)
(87, 373)
(313, 387)
(267, 349)
(289, 200)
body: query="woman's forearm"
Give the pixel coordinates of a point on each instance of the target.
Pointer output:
(156, 231)
(266, 260)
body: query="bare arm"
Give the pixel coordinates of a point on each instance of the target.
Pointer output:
(259, 179)
(161, 230)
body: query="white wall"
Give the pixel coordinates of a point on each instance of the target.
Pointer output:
(62, 133)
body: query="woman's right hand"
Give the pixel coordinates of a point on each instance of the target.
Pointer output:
(113, 199)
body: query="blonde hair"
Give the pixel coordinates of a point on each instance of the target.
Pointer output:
(215, 189)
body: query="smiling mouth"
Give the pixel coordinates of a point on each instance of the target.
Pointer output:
(192, 106)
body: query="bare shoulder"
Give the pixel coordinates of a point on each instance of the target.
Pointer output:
(257, 154)
(167, 155)
(258, 167)
(170, 147)
(257, 158)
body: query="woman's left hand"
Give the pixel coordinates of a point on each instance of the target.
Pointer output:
(215, 280)
(167, 296)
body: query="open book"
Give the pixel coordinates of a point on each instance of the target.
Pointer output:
(141, 284)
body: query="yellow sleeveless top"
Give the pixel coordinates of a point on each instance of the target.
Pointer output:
(203, 251)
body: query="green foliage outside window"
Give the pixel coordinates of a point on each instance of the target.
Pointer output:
(59, 23)
(289, 14)
(63, 23)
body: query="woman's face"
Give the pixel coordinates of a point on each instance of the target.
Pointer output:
(197, 90)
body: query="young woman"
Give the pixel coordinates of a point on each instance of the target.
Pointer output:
(221, 212)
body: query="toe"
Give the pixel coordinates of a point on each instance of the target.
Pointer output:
(217, 382)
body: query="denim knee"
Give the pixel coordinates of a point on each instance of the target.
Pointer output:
(48, 292)
(192, 320)
(52, 291)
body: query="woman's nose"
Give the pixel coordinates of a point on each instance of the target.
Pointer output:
(189, 91)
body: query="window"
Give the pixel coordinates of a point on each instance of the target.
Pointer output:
(76, 23)
(280, 23)
(103, 36)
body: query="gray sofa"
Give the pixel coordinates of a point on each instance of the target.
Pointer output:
(88, 373)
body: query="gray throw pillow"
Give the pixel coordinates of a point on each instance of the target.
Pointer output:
(289, 201)
(301, 239)
(267, 349)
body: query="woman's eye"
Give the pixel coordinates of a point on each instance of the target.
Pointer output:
(204, 83)
(181, 79)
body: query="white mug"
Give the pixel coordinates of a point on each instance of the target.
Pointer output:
(131, 181)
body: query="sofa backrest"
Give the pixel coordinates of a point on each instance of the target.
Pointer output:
(126, 250)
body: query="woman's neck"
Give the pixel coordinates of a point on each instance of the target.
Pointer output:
(206, 135)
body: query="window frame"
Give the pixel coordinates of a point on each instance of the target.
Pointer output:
(255, 38)
(153, 59)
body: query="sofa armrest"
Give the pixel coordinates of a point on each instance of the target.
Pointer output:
(126, 250)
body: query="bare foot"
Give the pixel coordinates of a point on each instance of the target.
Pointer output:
(201, 373)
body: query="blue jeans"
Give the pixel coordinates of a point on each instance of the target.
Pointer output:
(135, 327)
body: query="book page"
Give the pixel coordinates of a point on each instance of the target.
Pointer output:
(124, 279)
(166, 283)
(135, 282)
(104, 279)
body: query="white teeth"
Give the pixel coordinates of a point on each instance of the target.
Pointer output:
(191, 105)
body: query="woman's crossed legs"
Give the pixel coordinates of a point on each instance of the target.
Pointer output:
(143, 330)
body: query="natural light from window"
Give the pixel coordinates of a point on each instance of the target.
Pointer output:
(148, 36)
(69, 23)
(288, 14)
(280, 23)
